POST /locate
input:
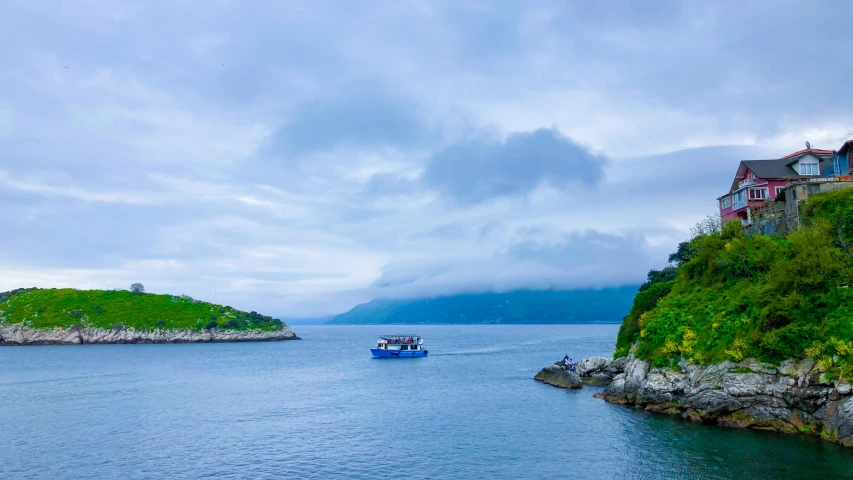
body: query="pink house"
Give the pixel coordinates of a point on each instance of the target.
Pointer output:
(759, 181)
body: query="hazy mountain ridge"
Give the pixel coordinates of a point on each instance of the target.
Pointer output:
(519, 307)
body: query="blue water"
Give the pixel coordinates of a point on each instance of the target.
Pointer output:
(323, 408)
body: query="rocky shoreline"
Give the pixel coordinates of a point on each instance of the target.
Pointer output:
(794, 397)
(20, 335)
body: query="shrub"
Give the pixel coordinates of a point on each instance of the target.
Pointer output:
(734, 296)
(211, 325)
(75, 313)
(98, 308)
(118, 326)
(160, 322)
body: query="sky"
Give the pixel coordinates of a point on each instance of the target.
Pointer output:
(299, 158)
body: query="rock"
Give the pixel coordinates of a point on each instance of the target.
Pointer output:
(618, 366)
(558, 376)
(17, 334)
(588, 366)
(789, 398)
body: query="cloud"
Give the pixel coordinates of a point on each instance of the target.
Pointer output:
(478, 171)
(540, 257)
(359, 118)
(297, 161)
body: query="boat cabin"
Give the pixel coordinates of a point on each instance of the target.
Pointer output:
(400, 342)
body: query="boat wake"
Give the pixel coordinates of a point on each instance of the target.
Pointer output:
(477, 351)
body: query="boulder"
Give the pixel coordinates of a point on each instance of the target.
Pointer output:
(557, 375)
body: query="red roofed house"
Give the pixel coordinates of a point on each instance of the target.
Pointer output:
(759, 181)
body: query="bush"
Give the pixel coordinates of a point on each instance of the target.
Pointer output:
(98, 308)
(118, 326)
(76, 313)
(211, 325)
(734, 296)
(160, 322)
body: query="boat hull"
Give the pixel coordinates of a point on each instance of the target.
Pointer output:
(382, 353)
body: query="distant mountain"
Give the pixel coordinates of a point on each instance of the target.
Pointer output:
(607, 305)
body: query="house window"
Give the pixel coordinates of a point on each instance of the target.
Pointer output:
(813, 188)
(809, 169)
(759, 194)
(726, 202)
(777, 191)
(739, 199)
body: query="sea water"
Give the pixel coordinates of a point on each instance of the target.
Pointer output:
(323, 408)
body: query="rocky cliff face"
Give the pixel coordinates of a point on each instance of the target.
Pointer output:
(16, 334)
(795, 397)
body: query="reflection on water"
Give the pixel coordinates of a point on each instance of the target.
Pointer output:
(323, 408)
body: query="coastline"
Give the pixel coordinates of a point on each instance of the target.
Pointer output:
(20, 335)
(793, 397)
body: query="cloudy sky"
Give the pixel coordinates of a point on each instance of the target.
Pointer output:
(297, 158)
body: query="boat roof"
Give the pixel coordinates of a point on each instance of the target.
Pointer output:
(407, 335)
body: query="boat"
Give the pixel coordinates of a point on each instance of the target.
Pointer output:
(399, 346)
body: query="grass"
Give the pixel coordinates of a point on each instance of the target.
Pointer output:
(117, 309)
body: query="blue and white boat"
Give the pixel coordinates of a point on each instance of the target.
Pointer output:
(399, 346)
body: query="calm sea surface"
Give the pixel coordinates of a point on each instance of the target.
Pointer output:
(322, 408)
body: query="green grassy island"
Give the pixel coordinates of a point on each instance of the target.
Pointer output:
(121, 316)
(732, 296)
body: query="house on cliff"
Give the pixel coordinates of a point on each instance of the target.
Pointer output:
(760, 181)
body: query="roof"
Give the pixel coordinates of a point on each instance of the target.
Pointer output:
(815, 151)
(847, 146)
(770, 169)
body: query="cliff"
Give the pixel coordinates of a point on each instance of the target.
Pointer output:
(793, 397)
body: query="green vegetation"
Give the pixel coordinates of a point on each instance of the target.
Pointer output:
(520, 307)
(119, 309)
(735, 296)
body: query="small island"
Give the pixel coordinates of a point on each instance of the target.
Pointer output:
(65, 316)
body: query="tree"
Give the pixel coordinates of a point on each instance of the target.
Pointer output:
(685, 252)
(709, 225)
(137, 288)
